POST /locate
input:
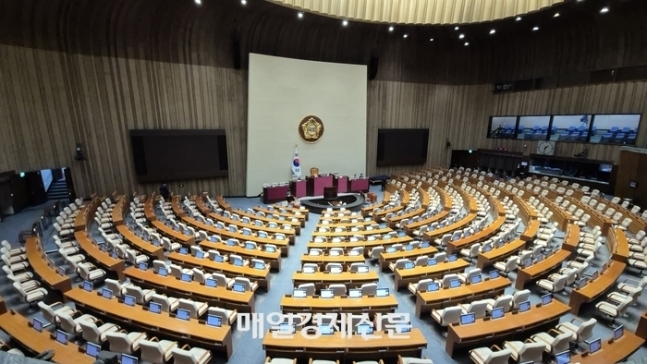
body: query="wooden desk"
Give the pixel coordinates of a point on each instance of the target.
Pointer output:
(641, 330)
(80, 221)
(255, 275)
(157, 252)
(345, 349)
(344, 234)
(104, 260)
(596, 288)
(481, 332)
(618, 245)
(323, 279)
(322, 260)
(387, 258)
(489, 231)
(118, 211)
(222, 203)
(296, 225)
(405, 276)
(273, 259)
(287, 215)
(223, 233)
(430, 235)
(497, 254)
(361, 222)
(526, 211)
(370, 305)
(41, 267)
(426, 301)
(532, 227)
(176, 206)
(178, 236)
(561, 217)
(615, 352)
(410, 228)
(385, 201)
(149, 208)
(366, 244)
(540, 269)
(16, 326)
(161, 324)
(392, 221)
(596, 217)
(289, 233)
(572, 238)
(215, 296)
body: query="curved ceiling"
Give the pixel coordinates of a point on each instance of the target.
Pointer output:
(419, 12)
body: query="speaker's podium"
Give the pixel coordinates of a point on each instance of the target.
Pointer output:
(316, 184)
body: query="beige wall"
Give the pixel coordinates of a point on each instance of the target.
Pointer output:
(283, 91)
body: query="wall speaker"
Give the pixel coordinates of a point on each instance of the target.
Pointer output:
(79, 153)
(235, 42)
(373, 66)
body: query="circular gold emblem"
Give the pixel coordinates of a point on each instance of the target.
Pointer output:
(311, 129)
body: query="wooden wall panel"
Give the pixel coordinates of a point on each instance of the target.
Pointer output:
(88, 71)
(461, 114)
(56, 100)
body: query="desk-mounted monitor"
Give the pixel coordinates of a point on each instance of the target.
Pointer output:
(92, 350)
(382, 292)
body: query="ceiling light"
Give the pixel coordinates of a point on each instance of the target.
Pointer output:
(604, 10)
(198, 2)
(391, 28)
(244, 2)
(518, 18)
(461, 36)
(456, 28)
(300, 15)
(535, 29)
(344, 23)
(556, 15)
(405, 36)
(492, 31)
(467, 43)
(431, 39)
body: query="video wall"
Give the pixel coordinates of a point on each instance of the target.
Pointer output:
(619, 129)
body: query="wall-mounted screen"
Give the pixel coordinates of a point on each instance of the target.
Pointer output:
(570, 128)
(396, 147)
(503, 127)
(166, 155)
(615, 129)
(533, 127)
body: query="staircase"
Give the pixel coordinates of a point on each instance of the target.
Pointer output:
(57, 190)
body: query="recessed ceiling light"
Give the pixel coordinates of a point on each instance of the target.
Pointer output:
(556, 15)
(535, 29)
(199, 2)
(518, 18)
(431, 39)
(467, 43)
(244, 2)
(456, 28)
(344, 23)
(461, 36)
(300, 14)
(604, 10)
(405, 35)
(391, 28)
(492, 31)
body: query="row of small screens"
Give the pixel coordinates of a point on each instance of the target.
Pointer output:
(621, 129)
(329, 293)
